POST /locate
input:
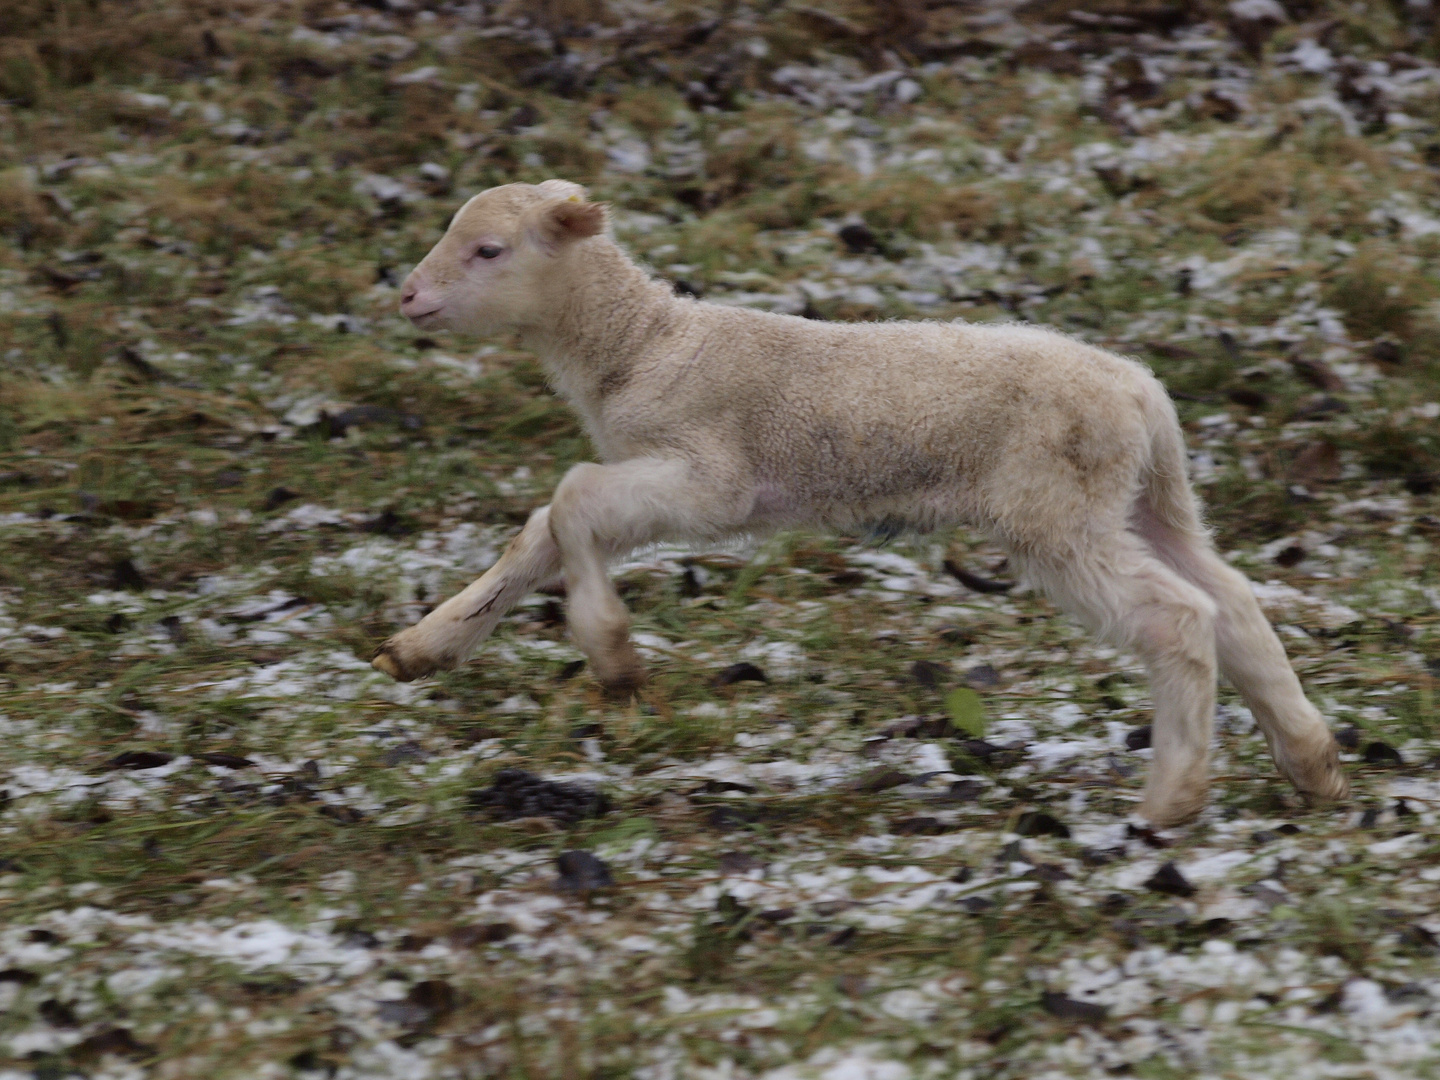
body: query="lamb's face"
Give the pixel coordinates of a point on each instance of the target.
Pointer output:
(490, 269)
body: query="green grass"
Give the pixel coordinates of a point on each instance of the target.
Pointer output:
(160, 262)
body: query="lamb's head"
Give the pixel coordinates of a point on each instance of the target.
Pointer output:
(497, 265)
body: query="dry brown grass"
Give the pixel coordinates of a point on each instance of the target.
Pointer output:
(648, 109)
(922, 206)
(1379, 292)
(1249, 192)
(59, 44)
(26, 217)
(176, 225)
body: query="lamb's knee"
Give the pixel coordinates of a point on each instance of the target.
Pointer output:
(1176, 631)
(573, 510)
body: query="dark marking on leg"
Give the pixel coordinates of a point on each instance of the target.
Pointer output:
(483, 608)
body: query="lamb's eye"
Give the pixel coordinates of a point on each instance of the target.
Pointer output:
(488, 251)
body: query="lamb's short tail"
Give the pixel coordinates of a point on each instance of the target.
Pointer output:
(1166, 481)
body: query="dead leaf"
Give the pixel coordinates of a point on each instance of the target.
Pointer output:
(1317, 461)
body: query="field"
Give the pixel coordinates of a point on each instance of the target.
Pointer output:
(867, 821)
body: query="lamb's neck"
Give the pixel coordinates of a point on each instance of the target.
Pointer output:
(610, 311)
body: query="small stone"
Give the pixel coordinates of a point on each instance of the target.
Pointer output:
(1318, 461)
(427, 1002)
(729, 818)
(1416, 936)
(741, 672)
(140, 759)
(1170, 881)
(982, 677)
(515, 794)
(1254, 22)
(928, 673)
(403, 752)
(964, 790)
(882, 779)
(1248, 398)
(1380, 753)
(1039, 823)
(738, 862)
(355, 938)
(59, 1014)
(1138, 739)
(858, 239)
(919, 826)
(278, 497)
(127, 575)
(110, 1040)
(1067, 1008)
(225, 761)
(467, 937)
(979, 749)
(1291, 556)
(1092, 856)
(721, 787)
(582, 872)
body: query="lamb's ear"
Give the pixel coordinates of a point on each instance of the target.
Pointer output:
(565, 220)
(564, 189)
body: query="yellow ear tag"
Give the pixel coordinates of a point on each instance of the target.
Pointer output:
(573, 198)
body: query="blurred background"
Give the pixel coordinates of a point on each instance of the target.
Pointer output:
(869, 820)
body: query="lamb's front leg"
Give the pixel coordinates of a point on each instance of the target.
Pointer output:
(450, 633)
(603, 510)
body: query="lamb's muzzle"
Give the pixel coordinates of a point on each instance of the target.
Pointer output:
(715, 420)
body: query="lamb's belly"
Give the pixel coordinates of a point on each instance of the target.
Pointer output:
(869, 507)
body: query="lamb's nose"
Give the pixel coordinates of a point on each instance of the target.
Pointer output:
(407, 294)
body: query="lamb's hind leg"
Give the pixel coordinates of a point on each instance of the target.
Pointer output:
(1252, 659)
(1121, 591)
(450, 633)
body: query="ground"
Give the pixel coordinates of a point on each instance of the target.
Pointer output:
(900, 842)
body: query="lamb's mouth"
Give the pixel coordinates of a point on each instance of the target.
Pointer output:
(419, 319)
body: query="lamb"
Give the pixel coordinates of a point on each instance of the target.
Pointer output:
(715, 421)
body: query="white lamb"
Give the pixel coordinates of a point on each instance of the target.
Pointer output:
(715, 421)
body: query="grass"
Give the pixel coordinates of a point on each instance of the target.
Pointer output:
(196, 261)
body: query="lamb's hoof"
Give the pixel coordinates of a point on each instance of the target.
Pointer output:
(402, 666)
(1318, 776)
(623, 685)
(1175, 808)
(620, 671)
(616, 664)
